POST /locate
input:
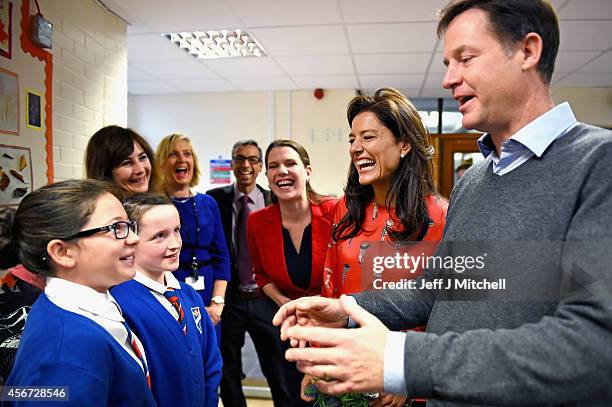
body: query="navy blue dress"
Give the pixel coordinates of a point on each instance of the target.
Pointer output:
(208, 246)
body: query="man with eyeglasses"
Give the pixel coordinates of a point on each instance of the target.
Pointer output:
(246, 308)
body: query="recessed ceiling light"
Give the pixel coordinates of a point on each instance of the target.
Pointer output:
(217, 44)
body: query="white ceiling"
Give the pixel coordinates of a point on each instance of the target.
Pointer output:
(361, 44)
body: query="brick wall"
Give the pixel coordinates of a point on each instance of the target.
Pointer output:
(89, 78)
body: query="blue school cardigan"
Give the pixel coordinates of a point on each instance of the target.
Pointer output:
(185, 370)
(61, 348)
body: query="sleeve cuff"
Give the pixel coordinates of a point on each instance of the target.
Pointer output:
(393, 369)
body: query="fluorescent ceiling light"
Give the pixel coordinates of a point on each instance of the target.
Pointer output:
(217, 44)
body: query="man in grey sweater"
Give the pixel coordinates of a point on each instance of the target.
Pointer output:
(539, 208)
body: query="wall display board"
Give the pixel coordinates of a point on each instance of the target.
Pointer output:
(9, 102)
(15, 174)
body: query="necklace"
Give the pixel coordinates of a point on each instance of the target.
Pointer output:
(194, 260)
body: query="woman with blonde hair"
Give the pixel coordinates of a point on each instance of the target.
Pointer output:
(204, 261)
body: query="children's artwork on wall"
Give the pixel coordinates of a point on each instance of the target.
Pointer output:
(9, 102)
(34, 110)
(6, 28)
(15, 174)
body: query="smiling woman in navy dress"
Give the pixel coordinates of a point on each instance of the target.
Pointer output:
(205, 262)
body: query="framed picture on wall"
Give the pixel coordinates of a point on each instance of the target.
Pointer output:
(9, 102)
(15, 174)
(6, 28)
(34, 109)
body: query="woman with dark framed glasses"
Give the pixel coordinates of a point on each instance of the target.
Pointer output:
(76, 342)
(205, 260)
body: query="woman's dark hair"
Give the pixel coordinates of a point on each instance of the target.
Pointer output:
(511, 21)
(8, 258)
(109, 147)
(54, 211)
(412, 181)
(313, 196)
(140, 203)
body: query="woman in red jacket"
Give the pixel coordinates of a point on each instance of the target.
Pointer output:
(288, 240)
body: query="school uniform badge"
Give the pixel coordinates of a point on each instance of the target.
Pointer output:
(197, 317)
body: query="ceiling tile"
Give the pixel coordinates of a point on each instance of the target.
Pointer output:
(556, 76)
(408, 92)
(317, 65)
(254, 84)
(391, 41)
(558, 3)
(135, 74)
(392, 63)
(435, 93)
(368, 11)
(244, 67)
(569, 61)
(203, 85)
(139, 29)
(186, 15)
(153, 47)
(602, 64)
(394, 81)
(262, 13)
(589, 9)
(189, 69)
(437, 64)
(587, 80)
(327, 82)
(585, 35)
(434, 80)
(311, 40)
(150, 88)
(387, 38)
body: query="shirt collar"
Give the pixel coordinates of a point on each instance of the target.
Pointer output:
(77, 298)
(171, 282)
(253, 194)
(539, 134)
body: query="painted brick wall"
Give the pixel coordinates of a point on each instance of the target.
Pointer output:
(89, 78)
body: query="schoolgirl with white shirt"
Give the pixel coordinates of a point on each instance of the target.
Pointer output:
(77, 234)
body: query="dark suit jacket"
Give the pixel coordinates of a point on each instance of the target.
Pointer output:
(225, 197)
(265, 238)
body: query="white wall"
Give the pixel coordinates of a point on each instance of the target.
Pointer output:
(214, 121)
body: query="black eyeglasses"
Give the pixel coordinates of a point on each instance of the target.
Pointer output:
(239, 159)
(121, 230)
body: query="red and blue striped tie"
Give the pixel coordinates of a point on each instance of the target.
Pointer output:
(170, 294)
(138, 352)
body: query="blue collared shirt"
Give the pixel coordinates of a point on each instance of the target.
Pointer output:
(533, 139)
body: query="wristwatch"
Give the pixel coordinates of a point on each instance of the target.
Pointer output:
(217, 299)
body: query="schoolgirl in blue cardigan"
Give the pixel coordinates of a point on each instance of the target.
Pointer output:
(76, 234)
(169, 315)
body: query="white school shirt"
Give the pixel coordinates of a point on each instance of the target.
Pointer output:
(99, 307)
(158, 289)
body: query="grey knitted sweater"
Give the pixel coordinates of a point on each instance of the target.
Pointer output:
(500, 350)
